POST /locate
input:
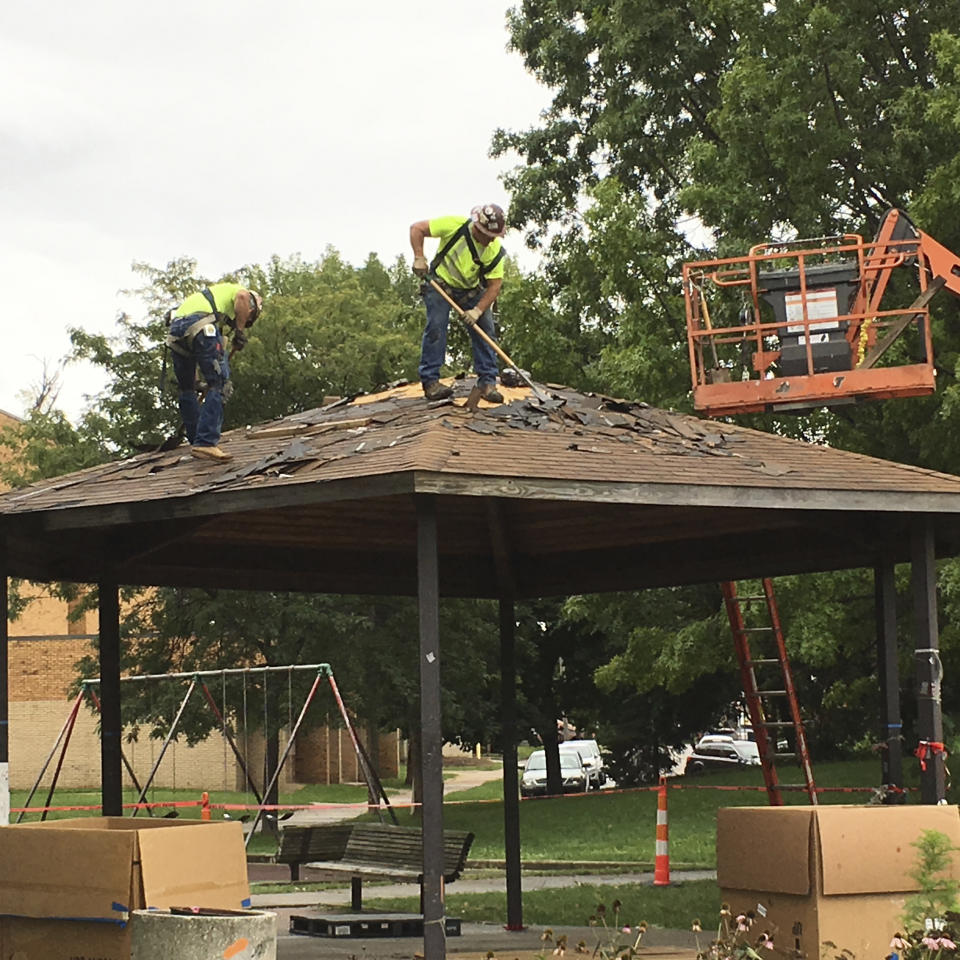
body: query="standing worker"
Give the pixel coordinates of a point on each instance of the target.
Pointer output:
(196, 340)
(469, 267)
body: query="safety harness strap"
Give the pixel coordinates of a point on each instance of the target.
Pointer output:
(464, 232)
(482, 267)
(174, 343)
(218, 316)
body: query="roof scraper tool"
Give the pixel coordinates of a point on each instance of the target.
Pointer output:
(490, 341)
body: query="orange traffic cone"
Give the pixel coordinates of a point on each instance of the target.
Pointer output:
(661, 865)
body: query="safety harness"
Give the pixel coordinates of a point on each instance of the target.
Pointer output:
(176, 343)
(464, 232)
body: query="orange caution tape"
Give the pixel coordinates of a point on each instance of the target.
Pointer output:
(929, 748)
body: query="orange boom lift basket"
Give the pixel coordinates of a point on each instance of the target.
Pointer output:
(814, 323)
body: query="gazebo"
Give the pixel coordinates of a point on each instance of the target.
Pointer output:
(387, 494)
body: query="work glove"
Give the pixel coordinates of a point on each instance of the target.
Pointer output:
(227, 391)
(473, 315)
(239, 340)
(420, 266)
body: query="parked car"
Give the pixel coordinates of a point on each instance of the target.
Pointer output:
(717, 751)
(572, 771)
(590, 754)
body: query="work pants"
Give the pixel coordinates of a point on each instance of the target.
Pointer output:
(202, 421)
(433, 349)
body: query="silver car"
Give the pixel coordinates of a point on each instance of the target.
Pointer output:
(572, 772)
(590, 754)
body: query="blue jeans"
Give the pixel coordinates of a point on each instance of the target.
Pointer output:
(202, 421)
(433, 349)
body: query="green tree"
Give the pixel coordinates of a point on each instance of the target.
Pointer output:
(327, 329)
(700, 129)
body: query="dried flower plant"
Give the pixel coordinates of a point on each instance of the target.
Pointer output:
(739, 937)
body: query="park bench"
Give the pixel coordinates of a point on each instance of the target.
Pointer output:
(368, 851)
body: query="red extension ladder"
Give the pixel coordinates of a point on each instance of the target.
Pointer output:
(768, 686)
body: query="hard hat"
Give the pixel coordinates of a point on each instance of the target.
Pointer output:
(490, 219)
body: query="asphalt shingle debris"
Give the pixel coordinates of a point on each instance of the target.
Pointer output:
(401, 413)
(353, 427)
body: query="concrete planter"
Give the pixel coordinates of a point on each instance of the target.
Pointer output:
(244, 935)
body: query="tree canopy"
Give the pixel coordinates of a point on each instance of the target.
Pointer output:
(683, 131)
(675, 131)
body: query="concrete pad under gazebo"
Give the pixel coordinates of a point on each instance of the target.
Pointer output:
(387, 494)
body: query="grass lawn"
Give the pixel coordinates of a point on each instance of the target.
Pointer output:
(607, 825)
(314, 793)
(614, 825)
(674, 907)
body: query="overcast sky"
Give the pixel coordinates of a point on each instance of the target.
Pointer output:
(230, 131)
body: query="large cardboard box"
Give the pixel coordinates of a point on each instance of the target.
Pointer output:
(67, 886)
(825, 874)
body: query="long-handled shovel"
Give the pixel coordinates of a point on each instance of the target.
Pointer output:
(489, 340)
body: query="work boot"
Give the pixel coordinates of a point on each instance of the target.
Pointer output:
(435, 390)
(490, 393)
(210, 453)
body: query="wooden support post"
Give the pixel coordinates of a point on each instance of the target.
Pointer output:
(888, 673)
(428, 578)
(4, 690)
(927, 658)
(111, 782)
(508, 714)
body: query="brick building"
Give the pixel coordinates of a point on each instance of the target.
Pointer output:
(48, 640)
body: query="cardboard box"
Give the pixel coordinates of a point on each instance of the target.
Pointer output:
(67, 886)
(825, 874)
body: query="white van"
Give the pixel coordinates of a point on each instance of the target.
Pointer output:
(590, 753)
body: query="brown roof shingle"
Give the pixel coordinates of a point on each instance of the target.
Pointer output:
(581, 477)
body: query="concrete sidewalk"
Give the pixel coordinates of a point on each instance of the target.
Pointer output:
(475, 938)
(463, 779)
(479, 940)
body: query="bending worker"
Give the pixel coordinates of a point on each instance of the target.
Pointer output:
(196, 340)
(469, 267)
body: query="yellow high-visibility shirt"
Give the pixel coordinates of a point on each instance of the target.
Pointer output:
(458, 267)
(224, 295)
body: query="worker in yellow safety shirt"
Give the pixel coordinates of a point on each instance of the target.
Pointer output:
(469, 267)
(196, 340)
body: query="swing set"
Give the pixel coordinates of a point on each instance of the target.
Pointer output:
(199, 678)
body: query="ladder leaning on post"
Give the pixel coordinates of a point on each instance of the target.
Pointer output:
(769, 656)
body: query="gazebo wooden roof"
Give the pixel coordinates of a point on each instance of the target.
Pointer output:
(387, 494)
(595, 494)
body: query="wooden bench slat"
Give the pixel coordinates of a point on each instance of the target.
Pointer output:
(367, 850)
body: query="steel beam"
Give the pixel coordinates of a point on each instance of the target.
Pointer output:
(111, 763)
(888, 673)
(428, 580)
(929, 671)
